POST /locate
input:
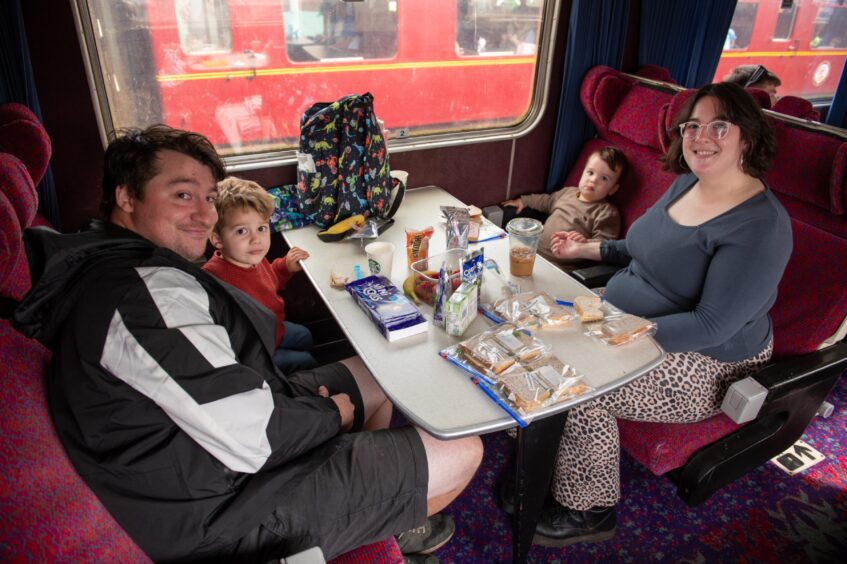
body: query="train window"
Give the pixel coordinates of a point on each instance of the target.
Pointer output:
(785, 22)
(497, 28)
(805, 46)
(317, 30)
(203, 26)
(741, 27)
(242, 72)
(830, 26)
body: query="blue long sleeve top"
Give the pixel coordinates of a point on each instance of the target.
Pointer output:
(708, 287)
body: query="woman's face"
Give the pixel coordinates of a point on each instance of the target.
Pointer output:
(705, 155)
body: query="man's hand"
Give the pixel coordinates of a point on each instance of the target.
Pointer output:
(516, 203)
(293, 258)
(345, 409)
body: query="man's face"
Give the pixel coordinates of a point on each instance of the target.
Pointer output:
(177, 209)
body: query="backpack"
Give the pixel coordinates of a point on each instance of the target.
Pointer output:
(343, 162)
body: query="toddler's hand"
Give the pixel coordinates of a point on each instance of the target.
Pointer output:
(574, 236)
(564, 248)
(516, 203)
(293, 258)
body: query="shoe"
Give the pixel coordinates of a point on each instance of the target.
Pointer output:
(420, 559)
(435, 533)
(560, 526)
(506, 497)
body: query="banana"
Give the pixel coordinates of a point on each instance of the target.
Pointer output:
(409, 288)
(339, 230)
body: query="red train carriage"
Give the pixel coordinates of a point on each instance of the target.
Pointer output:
(804, 44)
(243, 72)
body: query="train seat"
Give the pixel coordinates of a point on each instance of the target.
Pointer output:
(811, 307)
(47, 513)
(797, 107)
(761, 96)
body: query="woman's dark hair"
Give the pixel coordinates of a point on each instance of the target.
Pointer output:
(131, 159)
(737, 106)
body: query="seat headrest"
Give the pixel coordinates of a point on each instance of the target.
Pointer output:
(668, 114)
(761, 97)
(17, 207)
(797, 107)
(22, 135)
(655, 72)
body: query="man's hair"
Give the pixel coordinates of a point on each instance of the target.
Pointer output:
(613, 157)
(747, 76)
(131, 156)
(237, 193)
(736, 106)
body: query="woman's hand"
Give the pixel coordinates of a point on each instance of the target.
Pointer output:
(516, 203)
(293, 258)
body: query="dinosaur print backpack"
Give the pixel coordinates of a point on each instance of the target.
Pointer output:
(342, 167)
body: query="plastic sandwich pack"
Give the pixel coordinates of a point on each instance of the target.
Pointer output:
(531, 310)
(518, 366)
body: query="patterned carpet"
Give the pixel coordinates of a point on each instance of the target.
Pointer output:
(766, 516)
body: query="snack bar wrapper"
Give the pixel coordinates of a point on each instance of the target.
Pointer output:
(417, 244)
(457, 227)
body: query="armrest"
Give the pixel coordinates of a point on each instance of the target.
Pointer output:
(796, 388)
(595, 276)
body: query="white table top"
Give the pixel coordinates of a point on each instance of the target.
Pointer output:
(431, 392)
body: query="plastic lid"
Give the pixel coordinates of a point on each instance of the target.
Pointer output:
(524, 227)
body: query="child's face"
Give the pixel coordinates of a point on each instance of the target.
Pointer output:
(245, 237)
(598, 180)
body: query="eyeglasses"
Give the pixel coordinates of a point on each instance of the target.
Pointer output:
(756, 76)
(715, 129)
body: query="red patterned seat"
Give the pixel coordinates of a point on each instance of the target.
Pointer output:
(808, 175)
(47, 513)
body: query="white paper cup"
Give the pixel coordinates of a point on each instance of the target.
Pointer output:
(380, 255)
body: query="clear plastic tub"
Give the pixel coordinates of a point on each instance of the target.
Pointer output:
(426, 273)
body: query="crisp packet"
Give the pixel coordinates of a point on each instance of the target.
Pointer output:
(536, 309)
(621, 329)
(417, 244)
(457, 227)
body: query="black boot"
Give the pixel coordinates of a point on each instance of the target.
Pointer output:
(559, 526)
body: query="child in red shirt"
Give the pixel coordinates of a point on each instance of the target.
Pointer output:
(241, 238)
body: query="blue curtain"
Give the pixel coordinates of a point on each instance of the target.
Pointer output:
(838, 109)
(596, 36)
(18, 85)
(685, 37)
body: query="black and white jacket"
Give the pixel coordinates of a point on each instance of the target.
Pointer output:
(164, 392)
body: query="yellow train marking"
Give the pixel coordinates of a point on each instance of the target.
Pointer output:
(247, 73)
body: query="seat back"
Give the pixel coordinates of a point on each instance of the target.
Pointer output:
(807, 175)
(797, 107)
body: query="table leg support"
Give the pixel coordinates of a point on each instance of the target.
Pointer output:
(538, 445)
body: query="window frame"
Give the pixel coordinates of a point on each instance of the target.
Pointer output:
(259, 160)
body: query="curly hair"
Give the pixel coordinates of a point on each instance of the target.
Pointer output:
(130, 159)
(738, 107)
(237, 193)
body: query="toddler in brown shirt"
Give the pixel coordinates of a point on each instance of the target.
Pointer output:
(580, 212)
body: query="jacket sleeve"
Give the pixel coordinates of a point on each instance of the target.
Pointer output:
(165, 342)
(283, 275)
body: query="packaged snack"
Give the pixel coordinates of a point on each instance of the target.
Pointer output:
(536, 309)
(501, 346)
(457, 227)
(588, 308)
(472, 267)
(622, 329)
(417, 244)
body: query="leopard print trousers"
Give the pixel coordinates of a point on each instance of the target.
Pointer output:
(685, 388)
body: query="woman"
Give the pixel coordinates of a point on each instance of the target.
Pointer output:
(703, 263)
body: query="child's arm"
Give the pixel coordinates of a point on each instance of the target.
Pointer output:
(516, 203)
(542, 202)
(607, 224)
(286, 266)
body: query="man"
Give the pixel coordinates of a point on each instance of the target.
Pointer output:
(165, 395)
(755, 76)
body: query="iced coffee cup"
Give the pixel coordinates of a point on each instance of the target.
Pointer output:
(523, 244)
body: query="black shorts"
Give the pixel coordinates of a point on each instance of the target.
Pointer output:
(369, 486)
(338, 380)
